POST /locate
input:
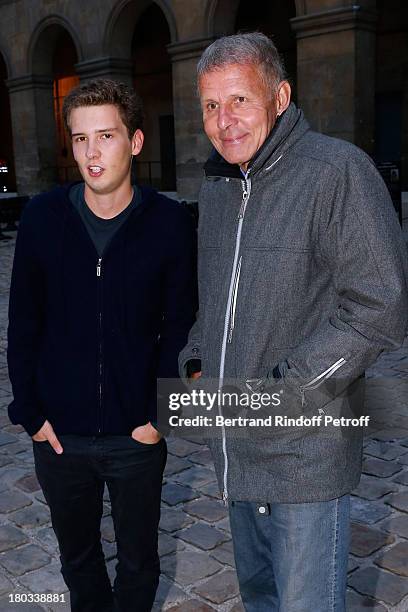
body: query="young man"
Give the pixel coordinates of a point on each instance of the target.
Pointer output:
(302, 280)
(102, 298)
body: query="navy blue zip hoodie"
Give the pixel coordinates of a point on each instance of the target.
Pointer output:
(86, 342)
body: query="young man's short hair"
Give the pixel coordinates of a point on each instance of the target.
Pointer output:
(106, 91)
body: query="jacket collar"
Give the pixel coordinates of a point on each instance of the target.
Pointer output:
(147, 194)
(289, 127)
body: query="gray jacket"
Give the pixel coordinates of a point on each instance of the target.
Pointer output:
(301, 264)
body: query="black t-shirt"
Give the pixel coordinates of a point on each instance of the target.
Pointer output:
(101, 231)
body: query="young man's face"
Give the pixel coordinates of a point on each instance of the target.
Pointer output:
(102, 148)
(239, 111)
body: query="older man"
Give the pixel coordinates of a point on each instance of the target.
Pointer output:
(302, 276)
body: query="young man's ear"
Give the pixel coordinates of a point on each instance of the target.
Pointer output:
(137, 142)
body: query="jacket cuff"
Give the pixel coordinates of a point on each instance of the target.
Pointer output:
(33, 425)
(192, 367)
(27, 414)
(188, 366)
(191, 352)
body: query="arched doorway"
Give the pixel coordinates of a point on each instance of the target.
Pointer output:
(64, 79)
(7, 171)
(152, 77)
(53, 58)
(273, 19)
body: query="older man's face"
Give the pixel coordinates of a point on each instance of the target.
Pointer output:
(238, 111)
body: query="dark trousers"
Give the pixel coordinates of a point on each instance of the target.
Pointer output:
(73, 485)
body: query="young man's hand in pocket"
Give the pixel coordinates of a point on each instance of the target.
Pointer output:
(146, 434)
(47, 434)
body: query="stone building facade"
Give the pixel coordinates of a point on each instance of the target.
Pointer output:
(348, 63)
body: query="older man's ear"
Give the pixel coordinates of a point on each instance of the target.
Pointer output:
(283, 97)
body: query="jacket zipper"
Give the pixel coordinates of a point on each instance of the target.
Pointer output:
(318, 380)
(230, 317)
(100, 351)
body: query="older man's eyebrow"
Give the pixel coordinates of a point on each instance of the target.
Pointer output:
(233, 94)
(112, 129)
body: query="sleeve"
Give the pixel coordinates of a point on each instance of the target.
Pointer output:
(179, 299)
(26, 321)
(190, 356)
(361, 242)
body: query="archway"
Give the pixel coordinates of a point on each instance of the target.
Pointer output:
(152, 76)
(120, 25)
(7, 170)
(53, 55)
(221, 16)
(64, 79)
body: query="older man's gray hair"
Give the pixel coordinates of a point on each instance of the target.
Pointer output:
(252, 48)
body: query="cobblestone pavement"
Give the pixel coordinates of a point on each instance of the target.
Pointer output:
(195, 544)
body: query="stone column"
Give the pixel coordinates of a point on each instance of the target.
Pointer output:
(336, 72)
(404, 142)
(116, 68)
(192, 145)
(32, 116)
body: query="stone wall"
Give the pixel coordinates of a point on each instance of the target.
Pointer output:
(336, 64)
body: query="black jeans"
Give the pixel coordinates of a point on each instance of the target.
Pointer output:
(73, 485)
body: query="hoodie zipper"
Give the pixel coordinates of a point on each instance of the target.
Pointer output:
(229, 320)
(100, 348)
(318, 380)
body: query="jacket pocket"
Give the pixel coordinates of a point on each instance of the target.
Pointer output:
(233, 305)
(321, 378)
